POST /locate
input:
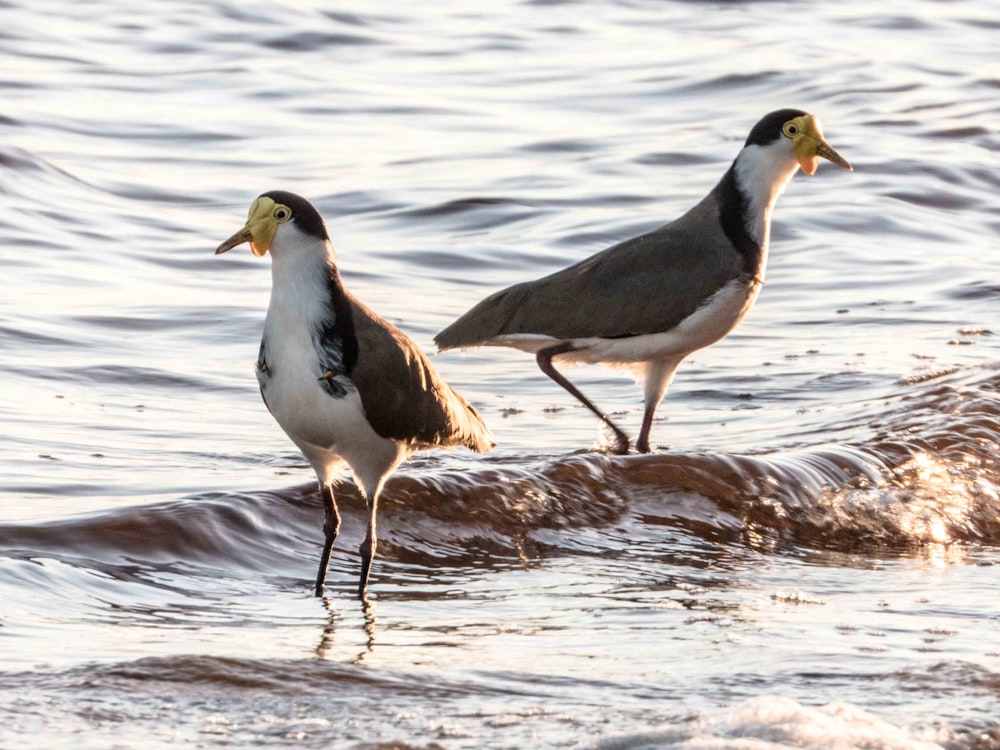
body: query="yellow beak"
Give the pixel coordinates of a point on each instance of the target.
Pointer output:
(810, 145)
(258, 231)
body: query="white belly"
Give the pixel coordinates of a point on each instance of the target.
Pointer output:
(327, 429)
(709, 323)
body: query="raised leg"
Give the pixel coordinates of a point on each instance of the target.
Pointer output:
(367, 550)
(331, 525)
(544, 359)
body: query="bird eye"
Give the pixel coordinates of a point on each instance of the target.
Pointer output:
(282, 213)
(790, 129)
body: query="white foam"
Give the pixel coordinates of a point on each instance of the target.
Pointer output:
(776, 723)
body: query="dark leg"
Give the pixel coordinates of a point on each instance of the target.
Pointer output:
(642, 444)
(657, 377)
(331, 525)
(367, 550)
(544, 359)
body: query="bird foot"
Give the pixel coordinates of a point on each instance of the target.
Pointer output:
(619, 443)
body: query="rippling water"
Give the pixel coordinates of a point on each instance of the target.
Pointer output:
(808, 559)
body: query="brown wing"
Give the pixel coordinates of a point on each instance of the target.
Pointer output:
(403, 396)
(647, 284)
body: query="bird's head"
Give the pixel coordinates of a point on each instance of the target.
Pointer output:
(273, 215)
(798, 133)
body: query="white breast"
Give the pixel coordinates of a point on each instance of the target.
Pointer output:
(327, 429)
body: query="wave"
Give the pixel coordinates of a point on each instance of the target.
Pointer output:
(312, 677)
(210, 689)
(929, 475)
(777, 722)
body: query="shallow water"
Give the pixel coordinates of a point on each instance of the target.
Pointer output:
(808, 559)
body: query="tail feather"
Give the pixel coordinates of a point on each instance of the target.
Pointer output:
(490, 318)
(470, 428)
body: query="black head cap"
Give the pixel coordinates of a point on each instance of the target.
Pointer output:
(768, 129)
(304, 215)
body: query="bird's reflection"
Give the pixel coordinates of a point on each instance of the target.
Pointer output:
(369, 613)
(327, 637)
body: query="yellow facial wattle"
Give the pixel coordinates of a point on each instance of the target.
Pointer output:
(262, 223)
(807, 138)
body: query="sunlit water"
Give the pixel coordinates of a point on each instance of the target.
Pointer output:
(808, 560)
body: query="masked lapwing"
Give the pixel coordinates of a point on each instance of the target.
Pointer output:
(345, 385)
(648, 302)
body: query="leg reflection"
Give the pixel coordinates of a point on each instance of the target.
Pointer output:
(369, 614)
(326, 639)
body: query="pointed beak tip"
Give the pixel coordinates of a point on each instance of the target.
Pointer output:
(843, 164)
(834, 158)
(831, 155)
(237, 239)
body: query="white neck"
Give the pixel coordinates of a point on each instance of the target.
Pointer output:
(300, 272)
(762, 175)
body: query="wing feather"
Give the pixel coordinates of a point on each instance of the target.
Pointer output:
(403, 396)
(647, 284)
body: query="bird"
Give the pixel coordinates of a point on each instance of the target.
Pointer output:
(344, 384)
(648, 302)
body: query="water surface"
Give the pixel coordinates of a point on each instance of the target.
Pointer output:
(807, 560)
